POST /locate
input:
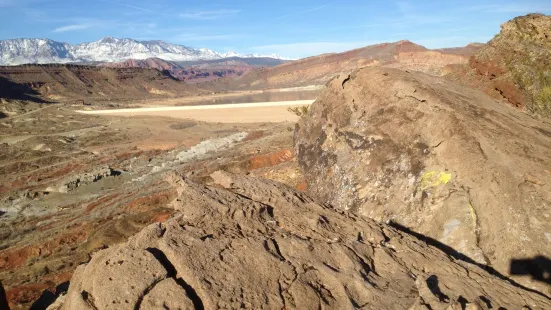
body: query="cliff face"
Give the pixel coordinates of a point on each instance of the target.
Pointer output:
(437, 157)
(65, 83)
(516, 64)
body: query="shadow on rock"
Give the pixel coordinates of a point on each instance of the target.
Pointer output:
(3, 299)
(48, 297)
(12, 90)
(539, 268)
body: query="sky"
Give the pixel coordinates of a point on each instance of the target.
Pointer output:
(290, 28)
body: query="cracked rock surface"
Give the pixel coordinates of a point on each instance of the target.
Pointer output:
(251, 243)
(444, 160)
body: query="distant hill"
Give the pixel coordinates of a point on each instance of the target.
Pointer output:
(464, 51)
(66, 83)
(201, 70)
(155, 77)
(319, 69)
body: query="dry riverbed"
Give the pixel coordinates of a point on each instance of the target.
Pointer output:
(223, 113)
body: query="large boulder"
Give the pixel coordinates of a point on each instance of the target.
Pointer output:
(441, 159)
(262, 245)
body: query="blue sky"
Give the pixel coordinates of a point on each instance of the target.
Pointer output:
(290, 28)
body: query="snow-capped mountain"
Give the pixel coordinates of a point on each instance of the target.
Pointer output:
(20, 51)
(234, 54)
(108, 49)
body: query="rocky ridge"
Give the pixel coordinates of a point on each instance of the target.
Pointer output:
(317, 70)
(306, 256)
(515, 65)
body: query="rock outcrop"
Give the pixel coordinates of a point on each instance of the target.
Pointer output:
(515, 65)
(441, 159)
(259, 245)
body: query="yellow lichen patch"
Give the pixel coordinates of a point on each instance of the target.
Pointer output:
(473, 214)
(444, 177)
(434, 178)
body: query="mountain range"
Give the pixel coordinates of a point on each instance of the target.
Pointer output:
(317, 70)
(202, 70)
(109, 49)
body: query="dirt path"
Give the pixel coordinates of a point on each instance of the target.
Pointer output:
(225, 113)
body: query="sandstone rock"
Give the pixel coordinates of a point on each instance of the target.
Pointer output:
(439, 158)
(514, 65)
(262, 245)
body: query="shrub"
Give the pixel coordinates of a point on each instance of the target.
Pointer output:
(299, 111)
(542, 102)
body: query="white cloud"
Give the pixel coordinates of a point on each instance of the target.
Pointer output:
(142, 9)
(126, 28)
(206, 15)
(413, 15)
(72, 27)
(185, 37)
(305, 49)
(313, 9)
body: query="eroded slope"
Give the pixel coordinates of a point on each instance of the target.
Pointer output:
(515, 65)
(72, 184)
(68, 83)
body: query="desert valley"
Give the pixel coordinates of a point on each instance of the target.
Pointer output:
(148, 175)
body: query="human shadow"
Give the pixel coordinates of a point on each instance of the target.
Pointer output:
(12, 90)
(3, 299)
(539, 268)
(535, 269)
(48, 297)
